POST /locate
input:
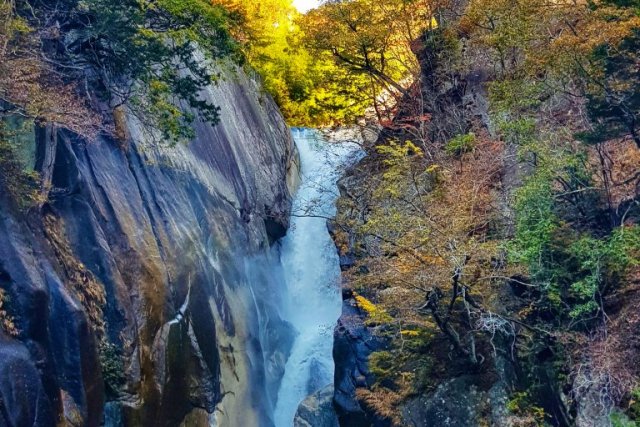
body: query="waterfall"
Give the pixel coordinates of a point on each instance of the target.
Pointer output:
(312, 273)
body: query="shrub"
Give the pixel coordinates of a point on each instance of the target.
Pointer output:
(383, 402)
(18, 179)
(7, 322)
(620, 420)
(381, 364)
(601, 263)
(526, 413)
(634, 405)
(112, 368)
(375, 314)
(461, 144)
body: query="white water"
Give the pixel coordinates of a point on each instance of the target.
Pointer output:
(312, 273)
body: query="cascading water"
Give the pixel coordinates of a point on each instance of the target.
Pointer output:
(312, 273)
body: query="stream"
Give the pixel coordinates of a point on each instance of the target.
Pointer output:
(312, 272)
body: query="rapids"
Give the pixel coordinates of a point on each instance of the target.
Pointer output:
(312, 273)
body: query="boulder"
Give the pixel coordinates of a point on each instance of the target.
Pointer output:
(317, 410)
(455, 403)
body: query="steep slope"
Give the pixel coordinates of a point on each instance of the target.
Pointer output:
(166, 250)
(489, 240)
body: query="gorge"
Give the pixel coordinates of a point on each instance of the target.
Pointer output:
(210, 316)
(375, 213)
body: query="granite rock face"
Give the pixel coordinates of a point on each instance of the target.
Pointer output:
(165, 249)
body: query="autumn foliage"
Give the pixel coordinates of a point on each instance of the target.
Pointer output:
(496, 216)
(31, 86)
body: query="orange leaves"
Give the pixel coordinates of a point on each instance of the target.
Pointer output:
(585, 29)
(410, 124)
(383, 402)
(468, 203)
(32, 87)
(551, 36)
(28, 85)
(619, 163)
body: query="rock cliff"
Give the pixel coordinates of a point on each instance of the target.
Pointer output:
(143, 288)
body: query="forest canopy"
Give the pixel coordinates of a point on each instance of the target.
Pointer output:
(329, 66)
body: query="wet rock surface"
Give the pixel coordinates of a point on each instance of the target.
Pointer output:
(353, 343)
(163, 251)
(317, 410)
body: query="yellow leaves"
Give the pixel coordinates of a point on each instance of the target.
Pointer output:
(261, 25)
(158, 85)
(365, 304)
(501, 23)
(375, 313)
(146, 33)
(395, 153)
(399, 159)
(310, 89)
(553, 37)
(602, 26)
(7, 322)
(10, 24)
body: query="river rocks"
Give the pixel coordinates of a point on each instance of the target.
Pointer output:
(317, 410)
(163, 252)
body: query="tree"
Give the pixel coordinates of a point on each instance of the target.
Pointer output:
(352, 32)
(308, 87)
(427, 224)
(613, 99)
(145, 54)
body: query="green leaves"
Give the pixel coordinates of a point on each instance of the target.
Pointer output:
(601, 263)
(461, 144)
(18, 179)
(613, 100)
(536, 221)
(149, 56)
(573, 269)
